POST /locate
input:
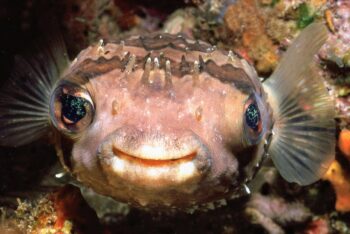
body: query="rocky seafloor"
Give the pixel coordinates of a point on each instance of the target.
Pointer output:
(258, 30)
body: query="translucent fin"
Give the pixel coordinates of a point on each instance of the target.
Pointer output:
(303, 144)
(24, 100)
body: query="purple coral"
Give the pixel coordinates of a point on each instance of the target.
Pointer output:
(337, 48)
(273, 212)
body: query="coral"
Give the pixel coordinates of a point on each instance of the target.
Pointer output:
(280, 210)
(279, 30)
(341, 184)
(70, 206)
(264, 28)
(267, 223)
(7, 225)
(317, 226)
(181, 21)
(36, 216)
(61, 212)
(85, 22)
(213, 11)
(10, 230)
(260, 30)
(305, 17)
(273, 212)
(338, 225)
(287, 18)
(337, 48)
(343, 109)
(344, 143)
(246, 27)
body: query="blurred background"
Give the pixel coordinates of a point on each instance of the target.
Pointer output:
(260, 31)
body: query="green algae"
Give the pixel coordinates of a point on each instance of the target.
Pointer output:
(304, 16)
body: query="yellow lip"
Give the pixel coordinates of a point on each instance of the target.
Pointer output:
(157, 147)
(122, 167)
(152, 162)
(153, 172)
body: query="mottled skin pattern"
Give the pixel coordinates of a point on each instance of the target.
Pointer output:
(169, 127)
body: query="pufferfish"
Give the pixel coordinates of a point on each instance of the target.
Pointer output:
(162, 121)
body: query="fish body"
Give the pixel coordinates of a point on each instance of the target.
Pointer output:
(162, 121)
(165, 131)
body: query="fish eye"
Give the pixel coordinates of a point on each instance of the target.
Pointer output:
(71, 108)
(252, 121)
(252, 117)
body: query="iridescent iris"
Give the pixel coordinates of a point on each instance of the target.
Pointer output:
(252, 116)
(73, 108)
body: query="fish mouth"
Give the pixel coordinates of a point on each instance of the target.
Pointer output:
(154, 163)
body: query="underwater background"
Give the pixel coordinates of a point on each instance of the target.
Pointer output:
(260, 31)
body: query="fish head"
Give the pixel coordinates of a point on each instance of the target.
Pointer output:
(165, 121)
(139, 127)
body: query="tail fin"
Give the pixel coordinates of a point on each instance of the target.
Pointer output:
(24, 100)
(303, 144)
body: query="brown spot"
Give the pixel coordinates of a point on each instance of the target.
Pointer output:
(115, 107)
(198, 113)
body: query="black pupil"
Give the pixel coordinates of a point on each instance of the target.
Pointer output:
(73, 108)
(252, 117)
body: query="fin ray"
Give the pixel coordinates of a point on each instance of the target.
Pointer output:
(24, 101)
(303, 144)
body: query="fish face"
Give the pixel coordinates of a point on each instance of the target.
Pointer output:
(160, 121)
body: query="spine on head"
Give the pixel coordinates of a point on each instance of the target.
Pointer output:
(303, 142)
(24, 100)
